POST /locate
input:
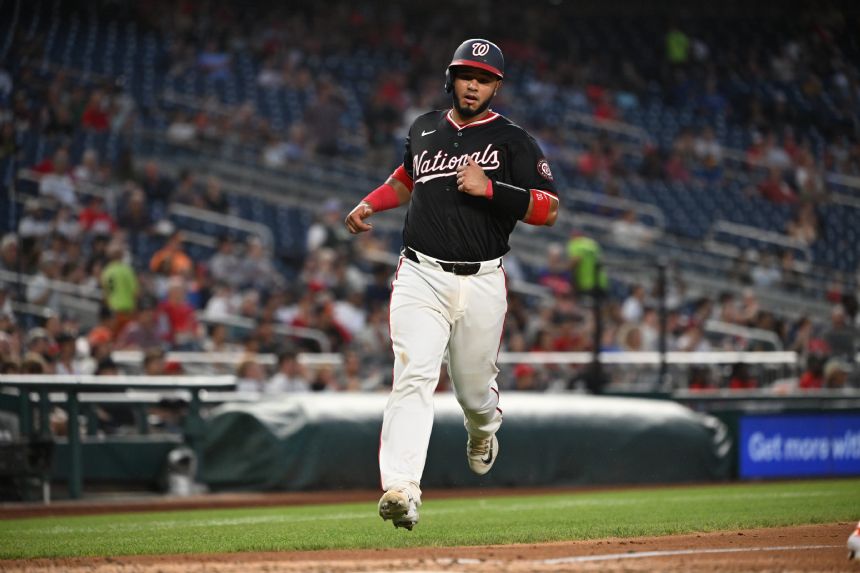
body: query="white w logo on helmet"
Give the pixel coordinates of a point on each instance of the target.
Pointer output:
(480, 49)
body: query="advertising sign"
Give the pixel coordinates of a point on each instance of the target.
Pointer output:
(799, 445)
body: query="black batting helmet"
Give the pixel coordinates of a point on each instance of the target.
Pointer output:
(476, 53)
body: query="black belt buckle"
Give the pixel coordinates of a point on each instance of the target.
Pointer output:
(461, 268)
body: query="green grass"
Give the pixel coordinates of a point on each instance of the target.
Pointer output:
(477, 521)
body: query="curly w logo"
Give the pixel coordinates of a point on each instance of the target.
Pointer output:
(480, 49)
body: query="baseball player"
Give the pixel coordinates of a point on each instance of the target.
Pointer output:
(468, 175)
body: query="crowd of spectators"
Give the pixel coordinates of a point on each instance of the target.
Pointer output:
(77, 235)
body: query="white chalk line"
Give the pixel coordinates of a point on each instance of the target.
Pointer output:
(672, 553)
(448, 561)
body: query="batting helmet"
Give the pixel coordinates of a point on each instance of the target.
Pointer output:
(476, 53)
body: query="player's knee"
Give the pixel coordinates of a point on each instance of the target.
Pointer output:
(478, 400)
(414, 380)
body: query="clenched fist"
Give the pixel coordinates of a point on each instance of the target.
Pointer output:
(355, 220)
(471, 179)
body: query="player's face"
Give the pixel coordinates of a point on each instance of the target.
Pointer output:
(473, 91)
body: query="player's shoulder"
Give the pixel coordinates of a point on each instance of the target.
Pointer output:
(512, 129)
(429, 118)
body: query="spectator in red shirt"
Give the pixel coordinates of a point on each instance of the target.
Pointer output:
(182, 327)
(95, 117)
(593, 163)
(604, 109)
(813, 377)
(740, 378)
(700, 379)
(775, 189)
(95, 219)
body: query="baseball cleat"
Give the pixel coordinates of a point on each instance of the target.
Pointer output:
(400, 507)
(854, 544)
(481, 453)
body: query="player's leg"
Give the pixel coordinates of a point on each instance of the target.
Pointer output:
(420, 329)
(472, 353)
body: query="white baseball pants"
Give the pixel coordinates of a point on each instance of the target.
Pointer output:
(434, 311)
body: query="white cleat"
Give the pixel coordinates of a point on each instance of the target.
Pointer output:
(400, 507)
(481, 453)
(854, 544)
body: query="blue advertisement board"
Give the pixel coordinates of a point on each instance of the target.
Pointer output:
(799, 445)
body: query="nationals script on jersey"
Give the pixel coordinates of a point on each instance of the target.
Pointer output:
(453, 226)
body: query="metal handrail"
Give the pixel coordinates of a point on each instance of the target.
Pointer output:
(610, 125)
(624, 204)
(135, 357)
(650, 358)
(232, 221)
(282, 329)
(759, 334)
(62, 287)
(722, 226)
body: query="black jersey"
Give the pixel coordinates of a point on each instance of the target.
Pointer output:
(451, 225)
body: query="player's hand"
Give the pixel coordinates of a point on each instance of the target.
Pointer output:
(471, 179)
(355, 220)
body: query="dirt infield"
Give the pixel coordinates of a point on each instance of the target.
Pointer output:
(803, 548)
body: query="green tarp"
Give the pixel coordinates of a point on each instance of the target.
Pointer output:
(319, 441)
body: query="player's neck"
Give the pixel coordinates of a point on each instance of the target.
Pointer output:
(464, 121)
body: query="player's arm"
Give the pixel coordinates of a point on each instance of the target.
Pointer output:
(396, 191)
(542, 209)
(533, 206)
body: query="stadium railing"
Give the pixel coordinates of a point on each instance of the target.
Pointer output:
(35, 390)
(228, 221)
(758, 236)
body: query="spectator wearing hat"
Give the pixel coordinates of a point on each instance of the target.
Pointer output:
(39, 342)
(836, 373)
(34, 362)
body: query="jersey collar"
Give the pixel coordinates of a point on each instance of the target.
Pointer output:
(450, 117)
